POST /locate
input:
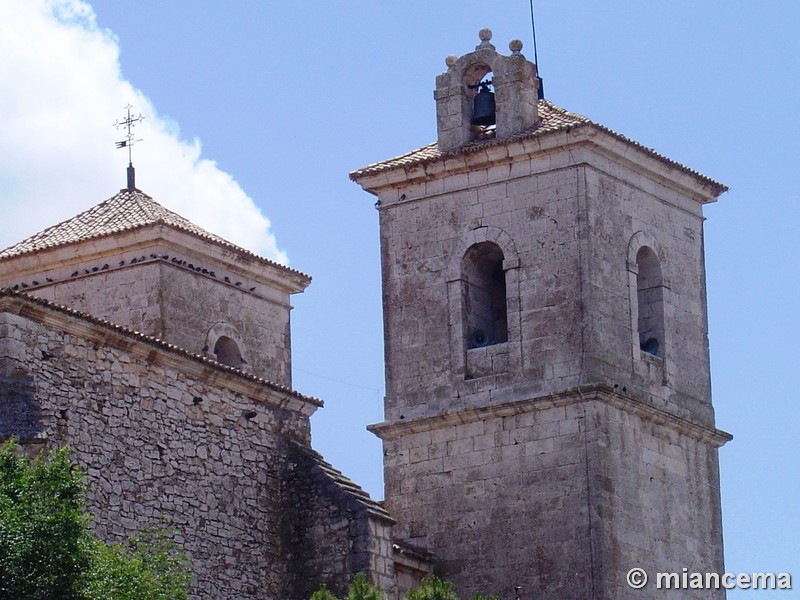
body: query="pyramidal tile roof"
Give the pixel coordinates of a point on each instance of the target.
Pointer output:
(552, 118)
(125, 211)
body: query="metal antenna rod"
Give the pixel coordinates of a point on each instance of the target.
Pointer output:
(533, 29)
(536, 54)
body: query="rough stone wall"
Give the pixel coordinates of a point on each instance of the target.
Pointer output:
(561, 495)
(197, 449)
(333, 529)
(172, 302)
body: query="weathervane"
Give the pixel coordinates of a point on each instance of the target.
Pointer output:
(129, 122)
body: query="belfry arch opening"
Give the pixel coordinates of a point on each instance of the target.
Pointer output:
(484, 295)
(650, 302)
(228, 353)
(481, 101)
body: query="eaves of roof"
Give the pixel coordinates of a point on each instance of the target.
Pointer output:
(354, 491)
(16, 302)
(553, 119)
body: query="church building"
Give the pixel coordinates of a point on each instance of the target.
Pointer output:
(548, 420)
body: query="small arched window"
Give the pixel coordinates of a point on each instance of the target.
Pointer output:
(650, 302)
(484, 295)
(227, 352)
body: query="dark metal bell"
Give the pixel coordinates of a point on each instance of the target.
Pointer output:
(483, 111)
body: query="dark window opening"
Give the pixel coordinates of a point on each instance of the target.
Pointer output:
(484, 295)
(650, 302)
(228, 353)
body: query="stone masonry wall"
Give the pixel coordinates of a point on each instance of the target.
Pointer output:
(625, 211)
(172, 302)
(164, 439)
(192, 306)
(501, 501)
(656, 501)
(565, 221)
(334, 529)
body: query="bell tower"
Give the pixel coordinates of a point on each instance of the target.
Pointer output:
(548, 417)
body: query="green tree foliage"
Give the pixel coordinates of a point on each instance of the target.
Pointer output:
(429, 589)
(42, 527)
(147, 567)
(47, 551)
(433, 589)
(360, 589)
(323, 593)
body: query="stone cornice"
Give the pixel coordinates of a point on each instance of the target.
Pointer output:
(144, 239)
(156, 352)
(593, 392)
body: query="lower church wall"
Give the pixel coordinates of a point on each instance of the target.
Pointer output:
(334, 529)
(169, 440)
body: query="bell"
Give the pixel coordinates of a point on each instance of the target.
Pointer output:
(483, 111)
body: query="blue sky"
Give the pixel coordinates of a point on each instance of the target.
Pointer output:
(256, 111)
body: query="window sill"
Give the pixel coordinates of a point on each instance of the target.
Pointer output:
(489, 360)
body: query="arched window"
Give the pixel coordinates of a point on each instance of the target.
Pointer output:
(227, 352)
(650, 302)
(484, 295)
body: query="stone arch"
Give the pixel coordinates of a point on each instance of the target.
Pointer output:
(516, 90)
(500, 351)
(476, 236)
(648, 286)
(224, 344)
(484, 296)
(637, 241)
(650, 301)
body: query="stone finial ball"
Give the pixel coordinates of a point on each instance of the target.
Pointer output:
(451, 60)
(515, 45)
(485, 34)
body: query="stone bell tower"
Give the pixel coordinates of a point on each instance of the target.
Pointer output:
(548, 418)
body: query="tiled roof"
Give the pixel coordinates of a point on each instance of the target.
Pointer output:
(552, 118)
(334, 476)
(127, 210)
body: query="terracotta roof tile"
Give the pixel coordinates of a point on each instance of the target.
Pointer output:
(344, 484)
(552, 118)
(125, 211)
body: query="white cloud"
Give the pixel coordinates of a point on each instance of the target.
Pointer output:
(61, 91)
